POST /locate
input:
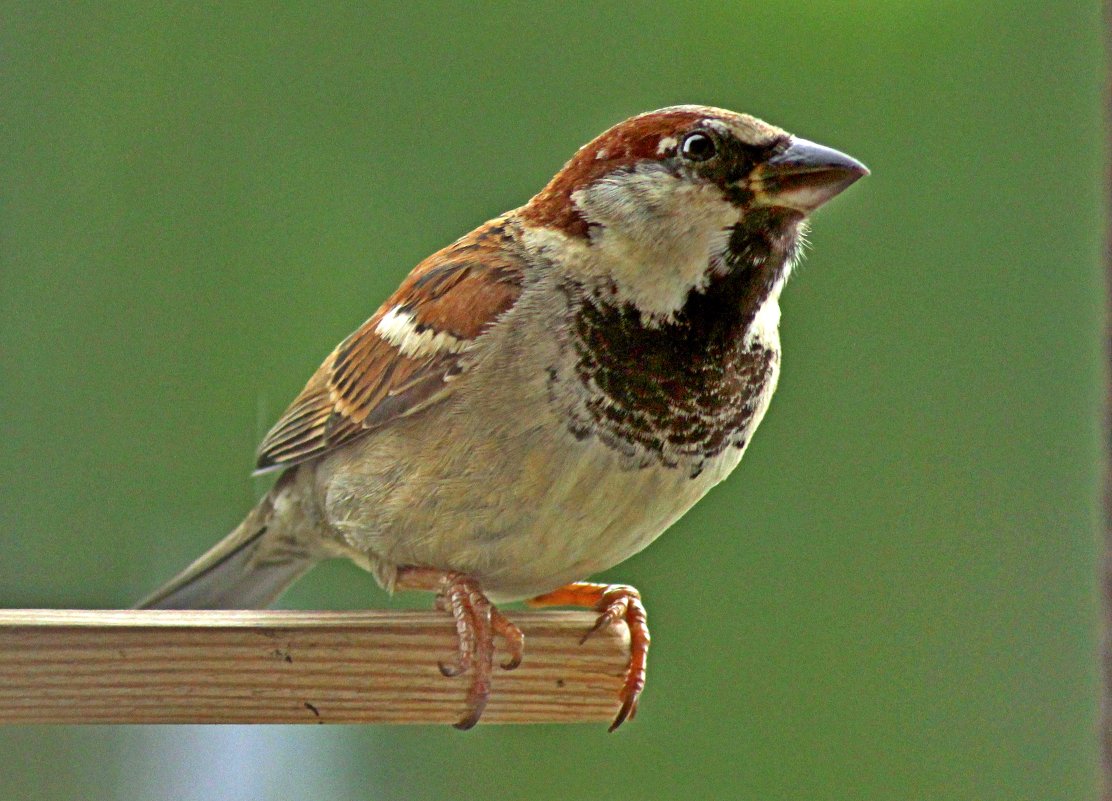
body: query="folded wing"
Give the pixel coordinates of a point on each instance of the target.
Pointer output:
(403, 359)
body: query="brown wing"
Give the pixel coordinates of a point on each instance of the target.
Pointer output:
(403, 358)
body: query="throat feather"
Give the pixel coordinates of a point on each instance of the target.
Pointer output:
(678, 392)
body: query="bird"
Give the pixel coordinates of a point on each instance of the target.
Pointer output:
(544, 397)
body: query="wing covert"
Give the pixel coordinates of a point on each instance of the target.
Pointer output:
(404, 357)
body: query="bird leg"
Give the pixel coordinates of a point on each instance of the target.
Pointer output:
(477, 622)
(613, 602)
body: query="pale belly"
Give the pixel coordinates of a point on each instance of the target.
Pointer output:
(575, 516)
(523, 508)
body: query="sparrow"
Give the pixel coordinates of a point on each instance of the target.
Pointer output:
(541, 399)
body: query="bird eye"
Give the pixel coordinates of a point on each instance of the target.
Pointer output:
(698, 147)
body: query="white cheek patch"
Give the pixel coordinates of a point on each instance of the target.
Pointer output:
(399, 328)
(666, 144)
(658, 237)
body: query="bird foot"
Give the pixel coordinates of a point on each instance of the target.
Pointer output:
(477, 623)
(614, 602)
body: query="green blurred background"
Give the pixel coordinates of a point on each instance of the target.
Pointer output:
(894, 595)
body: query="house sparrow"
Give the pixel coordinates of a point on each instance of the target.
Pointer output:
(543, 398)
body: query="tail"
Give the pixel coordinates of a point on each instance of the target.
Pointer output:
(250, 567)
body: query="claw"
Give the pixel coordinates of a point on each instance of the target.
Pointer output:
(515, 640)
(627, 712)
(477, 622)
(614, 602)
(474, 712)
(449, 671)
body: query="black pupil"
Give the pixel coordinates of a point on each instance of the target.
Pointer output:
(698, 147)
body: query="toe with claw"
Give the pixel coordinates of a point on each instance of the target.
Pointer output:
(613, 602)
(477, 623)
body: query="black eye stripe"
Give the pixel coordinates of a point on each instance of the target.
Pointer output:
(698, 146)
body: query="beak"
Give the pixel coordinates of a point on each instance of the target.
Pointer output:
(804, 176)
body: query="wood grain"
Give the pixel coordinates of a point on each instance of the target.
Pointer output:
(157, 666)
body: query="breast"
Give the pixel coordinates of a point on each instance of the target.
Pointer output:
(677, 393)
(644, 423)
(572, 446)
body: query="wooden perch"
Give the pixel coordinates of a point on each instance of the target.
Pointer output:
(70, 666)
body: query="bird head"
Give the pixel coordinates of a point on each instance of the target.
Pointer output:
(658, 205)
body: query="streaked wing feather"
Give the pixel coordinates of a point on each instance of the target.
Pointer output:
(367, 382)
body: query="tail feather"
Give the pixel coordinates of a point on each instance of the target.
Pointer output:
(248, 569)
